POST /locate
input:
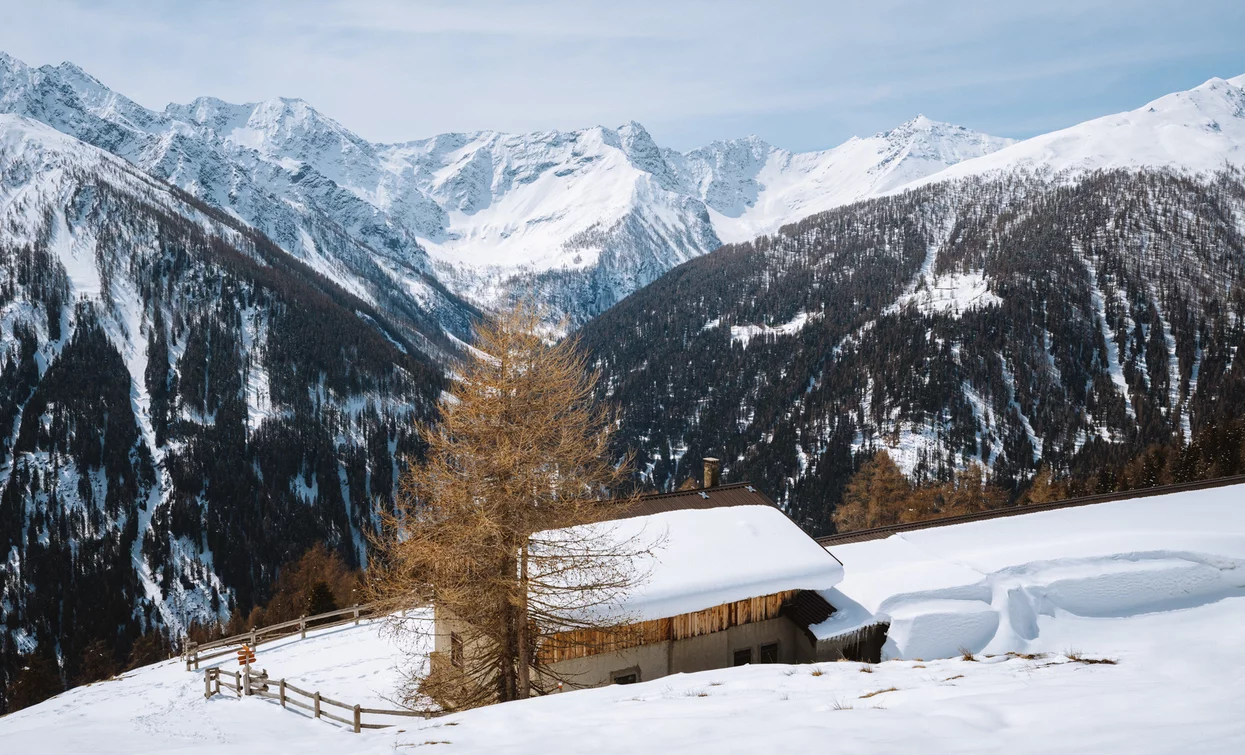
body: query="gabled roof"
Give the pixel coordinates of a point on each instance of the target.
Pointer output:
(717, 545)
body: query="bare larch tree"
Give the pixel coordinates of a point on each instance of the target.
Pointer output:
(501, 525)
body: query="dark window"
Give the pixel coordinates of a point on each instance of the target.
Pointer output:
(743, 657)
(626, 676)
(768, 653)
(456, 650)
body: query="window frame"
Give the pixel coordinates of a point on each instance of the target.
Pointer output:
(625, 673)
(735, 656)
(761, 652)
(457, 654)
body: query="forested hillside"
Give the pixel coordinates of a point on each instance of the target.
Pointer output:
(183, 406)
(1007, 321)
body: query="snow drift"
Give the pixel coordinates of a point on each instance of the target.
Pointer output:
(984, 586)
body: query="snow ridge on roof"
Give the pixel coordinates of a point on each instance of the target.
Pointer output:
(707, 557)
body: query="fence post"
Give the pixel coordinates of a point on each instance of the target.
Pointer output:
(356, 614)
(358, 724)
(207, 685)
(246, 679)
(252, 644)
(282, 693)
(302, 626)
(316, 697)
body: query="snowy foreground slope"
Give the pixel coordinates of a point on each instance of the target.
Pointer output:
(1155, 585)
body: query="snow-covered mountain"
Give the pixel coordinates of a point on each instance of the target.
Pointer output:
(280, 166)
(183, 406)
(1004, 322)
(753, 188)
(1196, 131)
(589, 216)
(582, 217)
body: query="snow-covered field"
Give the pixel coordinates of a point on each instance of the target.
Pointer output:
(1156, 585)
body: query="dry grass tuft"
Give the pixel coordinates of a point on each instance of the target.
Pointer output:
(867, 695)
(840, 705)
(866, 669)
(967, 655)
(816, 672)
(1026, 656)
(919, 665)
(1077, 657)
(957, 676)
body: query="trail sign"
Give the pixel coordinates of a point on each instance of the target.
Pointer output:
(245, 655)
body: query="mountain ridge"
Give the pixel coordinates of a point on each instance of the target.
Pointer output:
(583, 216)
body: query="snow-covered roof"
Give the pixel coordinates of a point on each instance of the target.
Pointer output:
(709, 556)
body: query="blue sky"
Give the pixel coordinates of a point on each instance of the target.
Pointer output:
(802, 75)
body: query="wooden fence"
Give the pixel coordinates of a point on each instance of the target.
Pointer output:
(246, 682)
(193, 652)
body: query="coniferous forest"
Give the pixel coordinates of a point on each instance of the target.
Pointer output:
(211, 413)
(1011, 323)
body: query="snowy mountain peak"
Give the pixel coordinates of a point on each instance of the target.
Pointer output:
(758, 188)
(278, 127)
(1198, 130)
(919, 123)
(644, 154)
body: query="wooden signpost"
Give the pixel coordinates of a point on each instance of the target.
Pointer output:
(246, 655)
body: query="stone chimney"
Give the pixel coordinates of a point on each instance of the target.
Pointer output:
(713, 472)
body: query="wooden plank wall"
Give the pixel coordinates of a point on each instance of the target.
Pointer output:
(581, 643)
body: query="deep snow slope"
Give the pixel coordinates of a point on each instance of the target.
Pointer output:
(1173, 632)
(995, 585)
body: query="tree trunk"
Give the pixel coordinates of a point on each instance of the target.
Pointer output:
(525, 677)
(507, 682)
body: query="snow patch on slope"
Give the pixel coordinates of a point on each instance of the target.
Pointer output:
(950, 293)
(742, 334)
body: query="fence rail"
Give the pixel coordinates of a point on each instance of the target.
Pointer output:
(195, 653)
(248, 683)
(877, 533)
